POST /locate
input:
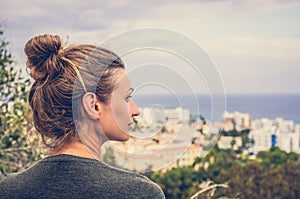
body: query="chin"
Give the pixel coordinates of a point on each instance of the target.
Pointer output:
(126, 137)
(122, 136)
(124, 140)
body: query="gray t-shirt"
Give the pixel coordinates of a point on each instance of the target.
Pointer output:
(67, 176)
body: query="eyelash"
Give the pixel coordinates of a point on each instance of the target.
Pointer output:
(128, 98)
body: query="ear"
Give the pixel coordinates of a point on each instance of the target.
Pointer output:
(91, 105)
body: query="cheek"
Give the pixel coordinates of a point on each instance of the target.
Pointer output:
(120, 111)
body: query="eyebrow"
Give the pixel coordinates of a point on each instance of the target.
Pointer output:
(130, 90)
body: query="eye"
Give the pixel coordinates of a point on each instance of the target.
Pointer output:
(128, 98)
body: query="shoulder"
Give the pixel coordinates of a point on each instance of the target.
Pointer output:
(9, 186)
(87, 178)
(15, 179)
(112, 181)
(132, 183)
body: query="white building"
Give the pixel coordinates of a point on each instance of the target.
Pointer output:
(174, 155)
(262, 138)
(284, 125)
(152, 116)
(236, 120)
(261, 123)
(281, 133)
(171, 150)
(178, 114)
(297, 128)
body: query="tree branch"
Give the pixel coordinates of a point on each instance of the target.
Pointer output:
(208, 188)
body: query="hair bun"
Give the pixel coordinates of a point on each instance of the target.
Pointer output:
(42, 53)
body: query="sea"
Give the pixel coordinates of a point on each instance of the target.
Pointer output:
(212, 107)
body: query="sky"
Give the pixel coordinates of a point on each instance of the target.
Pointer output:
(254, 45)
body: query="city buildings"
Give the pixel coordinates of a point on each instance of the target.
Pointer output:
(236, 121)
(279, 132)
(164, 139)
(149, 117)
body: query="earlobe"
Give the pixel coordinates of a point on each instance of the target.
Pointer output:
(91, 105)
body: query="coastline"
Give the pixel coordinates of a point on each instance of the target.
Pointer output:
(286, 106)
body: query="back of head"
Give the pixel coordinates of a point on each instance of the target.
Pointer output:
(42, 53)
(55, 71)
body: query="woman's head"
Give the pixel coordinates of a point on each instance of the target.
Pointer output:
(64, 80)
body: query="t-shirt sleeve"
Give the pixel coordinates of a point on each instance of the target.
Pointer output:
(158, 192)
(149, 190)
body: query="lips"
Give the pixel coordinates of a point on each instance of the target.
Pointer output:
(130, 125)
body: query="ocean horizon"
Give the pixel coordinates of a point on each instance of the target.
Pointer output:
(272, 106)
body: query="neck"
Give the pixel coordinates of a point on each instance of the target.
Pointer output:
(75, 148)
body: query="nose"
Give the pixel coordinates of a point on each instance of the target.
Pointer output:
(134, 109)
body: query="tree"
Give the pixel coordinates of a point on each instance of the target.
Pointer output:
(16, 149)
(276, 157)
(232, 143)
(176, 183)
(253, 181)
(274, 174)
(109, 156)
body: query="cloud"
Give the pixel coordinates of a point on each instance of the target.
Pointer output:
(234, 32)
(259, 47)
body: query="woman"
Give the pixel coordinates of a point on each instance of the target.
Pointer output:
(81, 98)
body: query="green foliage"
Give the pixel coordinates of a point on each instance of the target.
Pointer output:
(177, 182)
(254, 181)
(273, 174)
(235, 133)
(282, 182)
(16, 127)
(276, 157)
(109, 156)
(243, 180)
(232, 143)
(243, 134)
